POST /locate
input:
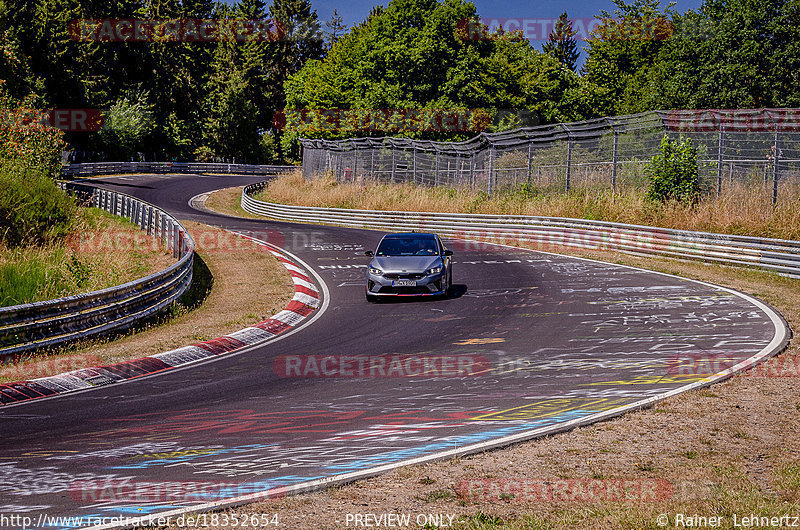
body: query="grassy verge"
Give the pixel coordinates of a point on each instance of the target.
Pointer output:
(228, 201)
(725, 450)
(91, 259)
(746, 211)
(249, 285)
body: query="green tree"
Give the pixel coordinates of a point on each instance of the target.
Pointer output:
(336, 28)
(673, 172)
(731, 54)
(623, 49)
(128, 123)
(561, 43)
(386, 63)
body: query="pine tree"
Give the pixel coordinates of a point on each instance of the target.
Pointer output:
(336, 28)
(303, 39)
(561, 43)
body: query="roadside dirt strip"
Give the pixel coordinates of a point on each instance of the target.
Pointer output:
(305, 301)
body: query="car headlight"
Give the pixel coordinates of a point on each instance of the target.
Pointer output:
(435, 270)
(376, 272)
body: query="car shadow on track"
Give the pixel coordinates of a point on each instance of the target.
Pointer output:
(456, 291)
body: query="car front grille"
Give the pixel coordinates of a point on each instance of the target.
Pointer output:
(404, 276)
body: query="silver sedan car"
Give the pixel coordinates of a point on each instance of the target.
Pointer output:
(409, 264)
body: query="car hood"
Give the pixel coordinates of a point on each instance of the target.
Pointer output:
(405, 263)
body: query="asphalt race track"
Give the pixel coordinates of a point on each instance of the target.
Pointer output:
(529, 341)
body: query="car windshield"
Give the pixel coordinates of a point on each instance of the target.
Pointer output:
(411, 246)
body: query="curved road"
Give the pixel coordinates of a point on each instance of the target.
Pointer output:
(532, 340)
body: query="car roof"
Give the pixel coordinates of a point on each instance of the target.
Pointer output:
(409, 235)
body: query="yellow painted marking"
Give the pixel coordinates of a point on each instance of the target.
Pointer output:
(470, 342)
(174, 454)
(652, 380)
(552, 407)
(39, 454)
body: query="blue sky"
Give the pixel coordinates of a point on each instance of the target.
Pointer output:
(533, 13)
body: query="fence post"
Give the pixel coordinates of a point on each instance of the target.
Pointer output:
(719, 159)
(530, 161)
(614, 161)
(569, 158)
(372, 164)
(355, 162)
(414, 164)
(490, 176)
(472, 171)
(436, 173)
(775, 168)
(394, 164)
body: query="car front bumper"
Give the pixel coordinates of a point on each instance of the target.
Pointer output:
(424, 285)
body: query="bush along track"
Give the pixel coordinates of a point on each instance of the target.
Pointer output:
(306, 300)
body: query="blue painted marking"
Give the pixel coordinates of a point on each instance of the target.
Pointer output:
(455, 441)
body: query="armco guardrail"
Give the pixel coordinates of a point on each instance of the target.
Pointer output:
(106, 168)
(26, 327)
(551, 233)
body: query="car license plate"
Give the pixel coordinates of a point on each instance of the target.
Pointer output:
(404, 283)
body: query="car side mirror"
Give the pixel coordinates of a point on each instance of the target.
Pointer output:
(369, 253)
(448, 252)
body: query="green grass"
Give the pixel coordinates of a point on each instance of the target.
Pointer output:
(44, 272)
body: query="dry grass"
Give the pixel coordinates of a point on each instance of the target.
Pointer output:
(103, 251)
(726, 450)
(228, 201)
(746, 211)
(249, 285)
